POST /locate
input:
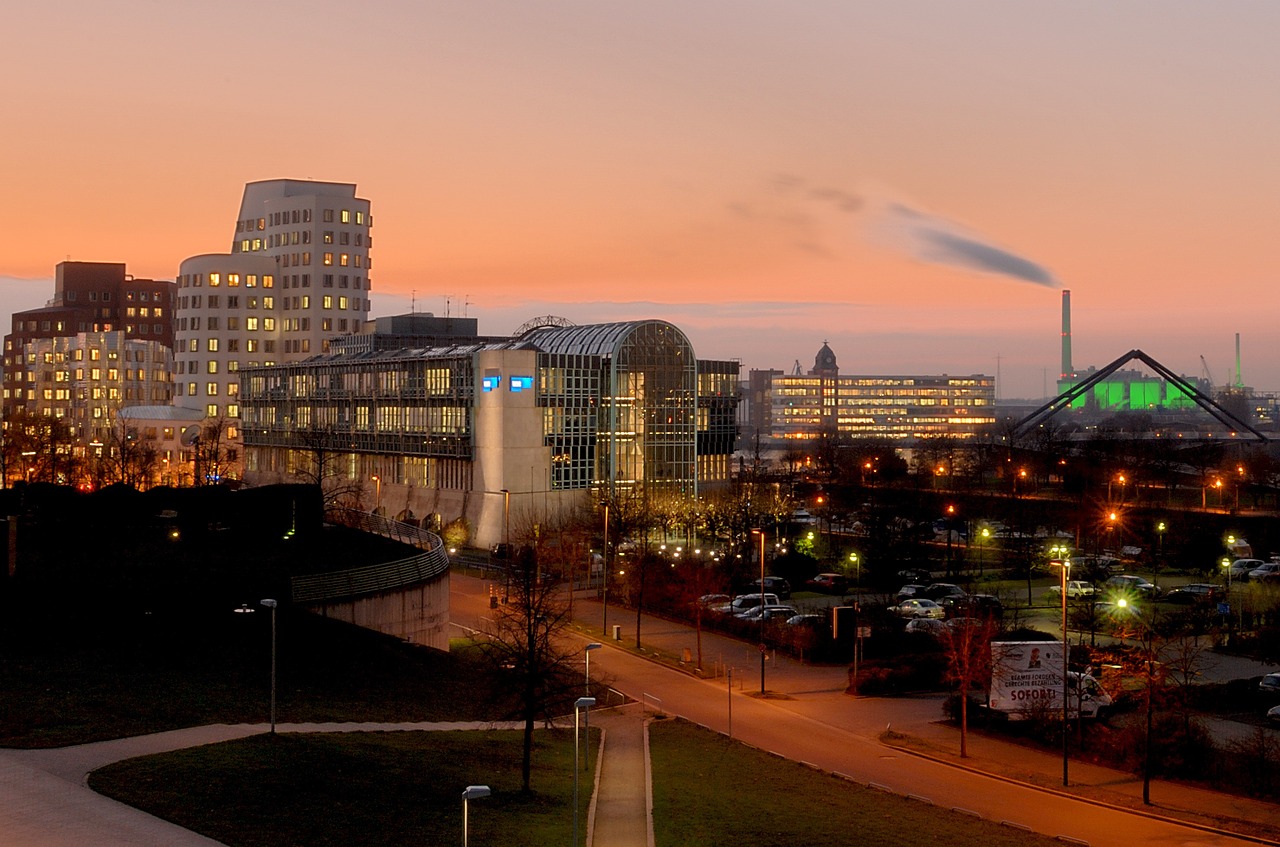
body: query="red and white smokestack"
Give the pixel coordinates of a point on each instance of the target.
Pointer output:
(1066, 333)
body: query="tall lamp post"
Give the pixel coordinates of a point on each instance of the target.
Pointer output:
(581, 705)
(506, 544)
(604, 620)
(1148, 640)
(471, 792)
(594, 645)
(271, 604)
(760, 532)
(377, 484)
(1066, 649)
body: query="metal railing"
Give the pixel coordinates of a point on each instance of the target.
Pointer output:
(433, 562)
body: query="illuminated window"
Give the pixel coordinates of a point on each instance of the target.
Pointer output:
(251, 323)
(344, 259)
(268, 281)
(233, 279)
(211, 389)
(328, 258)
(346, 216)
(342, 303)
(211, 410)
(213, 345)
(213, 366)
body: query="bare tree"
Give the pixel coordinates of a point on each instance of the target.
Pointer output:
(323, 468)
(967, 642)
(525, 649)
(211, 452)
(42, 445)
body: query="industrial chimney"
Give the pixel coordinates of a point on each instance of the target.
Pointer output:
(1066, 333)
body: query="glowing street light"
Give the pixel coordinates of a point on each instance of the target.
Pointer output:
(471, 792)
(582, 704)
(271, 604)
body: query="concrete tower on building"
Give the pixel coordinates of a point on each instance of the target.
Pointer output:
(297, 275)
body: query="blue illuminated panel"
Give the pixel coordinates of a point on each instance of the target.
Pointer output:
(490, 383)
(521, 383)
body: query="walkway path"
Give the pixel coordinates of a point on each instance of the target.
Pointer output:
(621, 813)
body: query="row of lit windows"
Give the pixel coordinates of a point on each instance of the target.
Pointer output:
(277, 219)
(345, 238)
(233, 302)
(210, 389)
(214, 324)
(233, 280)
(251, 345)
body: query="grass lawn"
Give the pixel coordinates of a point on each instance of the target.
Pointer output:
(372, 789)
(122, 639)
(159, 671)
(708, 789)
(405, 788)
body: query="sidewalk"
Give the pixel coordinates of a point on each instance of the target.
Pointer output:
(621, 806)
(818, 692)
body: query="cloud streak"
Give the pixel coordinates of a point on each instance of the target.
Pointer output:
(941, 242)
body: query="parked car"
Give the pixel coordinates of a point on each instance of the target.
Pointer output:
(1265, 571)
(743, 602)
(938, 590)
(919, 608)
(1075, 588)
(1135, 585)
(972, 606)
(1270, 683)
(1239, 569)
(774, 585)
(817, 622)
(1273, 715)
(919, 575)
(908, 591)
(1194, 592)
(829, 583)
(709, 601)
(770, 612)
(926, 626)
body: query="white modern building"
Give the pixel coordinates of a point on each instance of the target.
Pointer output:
(87, 378)
(297, 275)
(500, 433)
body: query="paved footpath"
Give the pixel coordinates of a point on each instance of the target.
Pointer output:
(45, 801)
(622, 805)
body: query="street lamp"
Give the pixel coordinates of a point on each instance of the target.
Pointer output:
(857, 564)
(1148, 638)
(594, 645)
(604, 620)
(506, 544)
(581, 705)
(377, 483)
(760, 532)
(271, 604)
(471, 792)
(1065, 565)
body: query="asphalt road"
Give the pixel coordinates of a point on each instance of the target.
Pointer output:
(822, 726)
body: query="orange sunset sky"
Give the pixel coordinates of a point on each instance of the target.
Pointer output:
(913, 182)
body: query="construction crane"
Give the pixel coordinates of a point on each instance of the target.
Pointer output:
(1208, 377)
